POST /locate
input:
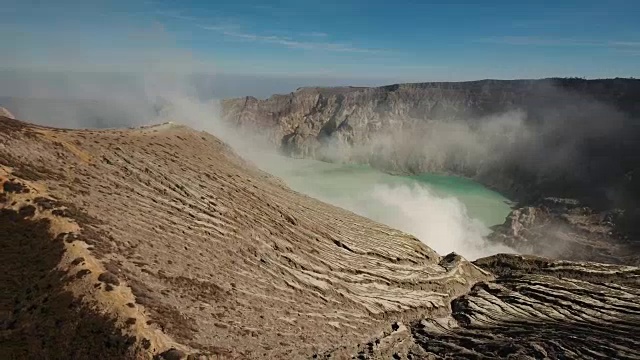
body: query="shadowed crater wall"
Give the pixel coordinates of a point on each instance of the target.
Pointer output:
(39, 318)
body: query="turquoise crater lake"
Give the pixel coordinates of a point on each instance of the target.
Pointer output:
(484, 204)
(447, 213)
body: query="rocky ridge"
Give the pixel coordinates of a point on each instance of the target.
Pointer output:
(161, 238)
(161, 242)
(535, 309)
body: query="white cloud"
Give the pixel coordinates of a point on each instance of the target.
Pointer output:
(626, 47)
(313, 39)
(628, 44)
(175, 15)
(288, 42)
(214, 27)
(315, 34)
(632, 52)
(535, 40)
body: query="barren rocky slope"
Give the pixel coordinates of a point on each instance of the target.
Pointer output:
(165, 235)
(528, 139)
(160, 241)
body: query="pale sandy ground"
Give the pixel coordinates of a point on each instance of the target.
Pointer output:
(217, 256)
(127, 243)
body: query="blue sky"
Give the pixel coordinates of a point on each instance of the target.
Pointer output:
(358, 39)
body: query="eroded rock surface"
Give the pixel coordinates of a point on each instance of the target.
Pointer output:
(542, 309)
(160, 242)
(583, 131)
(534, 309)
(175, 242)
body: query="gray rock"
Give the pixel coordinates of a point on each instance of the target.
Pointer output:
(173, 354)
(109, 278)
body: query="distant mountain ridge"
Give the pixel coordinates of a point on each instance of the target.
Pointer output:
(312, 121)
(528, 139)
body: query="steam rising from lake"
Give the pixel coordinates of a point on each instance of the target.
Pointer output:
(447, 216)
(451, 215)
(446, 213)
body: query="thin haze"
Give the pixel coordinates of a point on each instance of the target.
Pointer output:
(127, 63)
(152, 95)
(292, 43)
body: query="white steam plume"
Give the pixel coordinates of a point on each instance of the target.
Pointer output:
(163, 90)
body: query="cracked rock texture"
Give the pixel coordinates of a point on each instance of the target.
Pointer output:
(160, 242)
(176, 242)
(588, 128)
(534, 309)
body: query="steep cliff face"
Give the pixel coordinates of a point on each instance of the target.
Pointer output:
(564, 137)
(529, 139)
(535, 309)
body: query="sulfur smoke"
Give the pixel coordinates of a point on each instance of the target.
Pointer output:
(167, 87)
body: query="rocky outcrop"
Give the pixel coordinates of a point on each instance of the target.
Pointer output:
(527, 138)
(534, 309)
(540, 309)
(565, 228)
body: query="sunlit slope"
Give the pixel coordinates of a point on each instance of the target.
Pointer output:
(185, 245)
(447, 213)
